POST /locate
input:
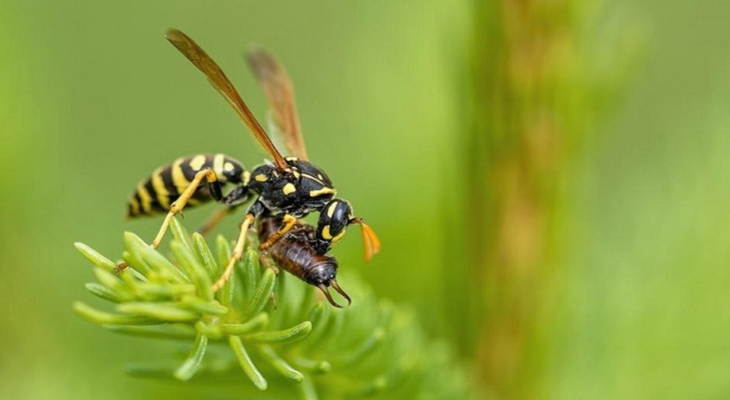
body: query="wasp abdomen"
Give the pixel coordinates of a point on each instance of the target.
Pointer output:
(155, 194)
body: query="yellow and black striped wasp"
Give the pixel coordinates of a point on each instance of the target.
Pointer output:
(289, 188)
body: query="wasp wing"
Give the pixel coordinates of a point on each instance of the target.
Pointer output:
(220, 82)
(278, 89)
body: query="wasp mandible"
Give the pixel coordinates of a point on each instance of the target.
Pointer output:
(290, 187)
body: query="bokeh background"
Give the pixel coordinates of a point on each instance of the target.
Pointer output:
(549, 178)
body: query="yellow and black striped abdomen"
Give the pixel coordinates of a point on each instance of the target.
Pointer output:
(155, 194)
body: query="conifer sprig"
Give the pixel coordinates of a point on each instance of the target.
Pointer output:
(301, 344)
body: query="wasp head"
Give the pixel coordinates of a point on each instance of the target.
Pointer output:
(333, 222)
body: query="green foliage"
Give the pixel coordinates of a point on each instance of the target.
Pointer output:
(272, 328)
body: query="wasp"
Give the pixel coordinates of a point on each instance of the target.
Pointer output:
(297, 254)
(287, 187)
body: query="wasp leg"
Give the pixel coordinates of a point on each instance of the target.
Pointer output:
(237, 252)
(214, 219)
(237, 196)
(256, 209)
(233, 199)
(177, 206)
(288, 223)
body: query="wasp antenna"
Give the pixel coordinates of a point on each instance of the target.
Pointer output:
(369, 238)
(340, 291)
(327, 294)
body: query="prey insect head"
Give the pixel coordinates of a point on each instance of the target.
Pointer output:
(333, 222)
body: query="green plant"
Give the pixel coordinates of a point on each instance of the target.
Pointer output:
(300, 344)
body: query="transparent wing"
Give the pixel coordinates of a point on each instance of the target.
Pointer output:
(278, 89)
(220, 82)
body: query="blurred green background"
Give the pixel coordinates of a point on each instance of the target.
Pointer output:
(414, 110)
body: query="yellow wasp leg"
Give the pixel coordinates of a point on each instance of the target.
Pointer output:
(237, 252)
(289, 222)
(213, 220)
(178, 205)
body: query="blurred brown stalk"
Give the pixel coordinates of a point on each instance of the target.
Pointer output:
(533, 100)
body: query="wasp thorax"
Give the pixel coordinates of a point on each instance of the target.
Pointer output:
(313, 182)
